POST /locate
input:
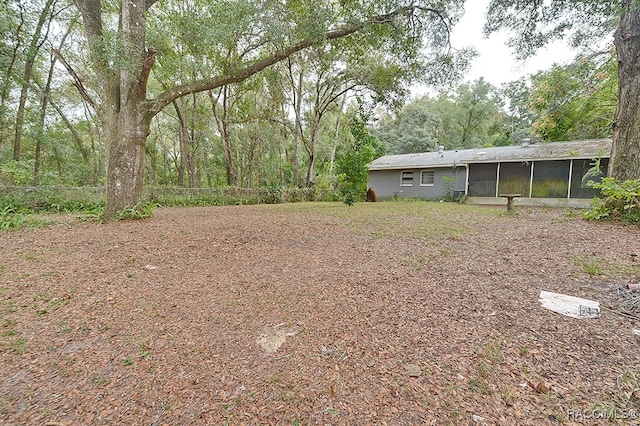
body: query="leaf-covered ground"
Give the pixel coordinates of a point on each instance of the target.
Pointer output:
(385, 313)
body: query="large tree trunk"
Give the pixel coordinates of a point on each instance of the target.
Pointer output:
(625, 155)
(125, 166)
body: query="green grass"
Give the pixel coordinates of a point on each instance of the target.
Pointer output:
(598, 266)
(428, 220)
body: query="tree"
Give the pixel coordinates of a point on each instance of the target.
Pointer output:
(535, 23)
(463, 119)
(12, 23)
(121, 62)
(478, 108)
(37, 40)
(414, 130)
(518, 117)
(354, 156)
(576, 101)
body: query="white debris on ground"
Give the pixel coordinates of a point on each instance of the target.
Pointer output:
(571, 306)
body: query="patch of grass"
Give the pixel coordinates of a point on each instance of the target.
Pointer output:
(495, 351)
(483, 370)
(507, 396)
(428, 220)
(65, 327)
(58, 301)
(98, 381)
(598, 266)
(479, 386)
(629, 388)
(19, 346)
(592, 266)
(415, 262)
(144, 349)
(149, 308)
(126, 362)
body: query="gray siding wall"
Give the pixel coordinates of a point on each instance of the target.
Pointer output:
(387, 183)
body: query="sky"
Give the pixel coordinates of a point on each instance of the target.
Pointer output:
(495, 62)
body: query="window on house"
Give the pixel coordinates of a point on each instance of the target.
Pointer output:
(406, 179)
(427, 177)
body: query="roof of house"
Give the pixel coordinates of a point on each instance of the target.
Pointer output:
(588, 149)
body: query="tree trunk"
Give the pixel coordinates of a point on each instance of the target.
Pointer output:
(192, 147)
(125, 165)
(296, 88)
(29, 63)
(336, 138)
(5, 90)
(232, 175)
(46, 101)
(46, 92)
(185, 148)
(625, 153)
(310, 147)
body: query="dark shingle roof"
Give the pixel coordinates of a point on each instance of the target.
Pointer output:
(588, 149)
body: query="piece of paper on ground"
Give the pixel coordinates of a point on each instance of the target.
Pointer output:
(570, 306)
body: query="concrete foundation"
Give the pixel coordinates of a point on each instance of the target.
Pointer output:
(572, 203)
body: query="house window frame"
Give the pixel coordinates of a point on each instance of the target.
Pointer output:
(433, 174)
(404, 178)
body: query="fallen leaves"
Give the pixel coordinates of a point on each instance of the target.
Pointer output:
(265, 314)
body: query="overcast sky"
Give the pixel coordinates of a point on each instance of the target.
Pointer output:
(495, 61)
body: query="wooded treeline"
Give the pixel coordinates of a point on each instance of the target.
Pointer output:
(294, 124)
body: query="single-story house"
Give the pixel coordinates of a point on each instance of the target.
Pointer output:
(556, 170)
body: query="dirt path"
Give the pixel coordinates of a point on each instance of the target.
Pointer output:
(317, 314)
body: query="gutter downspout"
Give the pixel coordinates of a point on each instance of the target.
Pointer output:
(497, 179)
(533, 163)
(466, 180)
(570, 174)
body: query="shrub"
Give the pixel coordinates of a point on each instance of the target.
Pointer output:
(10, 218)
(621, 201)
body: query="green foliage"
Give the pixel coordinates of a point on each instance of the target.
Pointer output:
(576, 101)
(518, 117)
(353, 159)
(17, 172)
(449, 184)
(139, 211)
(53, 200)
(10, 218)
(534, 23)
(621, 201)
(466, 118)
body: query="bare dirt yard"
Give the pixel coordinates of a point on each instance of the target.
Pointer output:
(399, 313)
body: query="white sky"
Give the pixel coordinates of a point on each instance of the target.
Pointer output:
(496, 62)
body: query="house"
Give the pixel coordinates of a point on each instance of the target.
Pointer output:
(541, 173)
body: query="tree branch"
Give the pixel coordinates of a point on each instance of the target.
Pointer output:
(146, 67)
(76, 79)
(149, 3)
(238, 75)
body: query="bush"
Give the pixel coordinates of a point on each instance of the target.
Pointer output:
(10, 218)
(621, 201)
(139, 211)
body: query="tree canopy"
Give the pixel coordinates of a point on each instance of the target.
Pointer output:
(534, 23)
(230, 41)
